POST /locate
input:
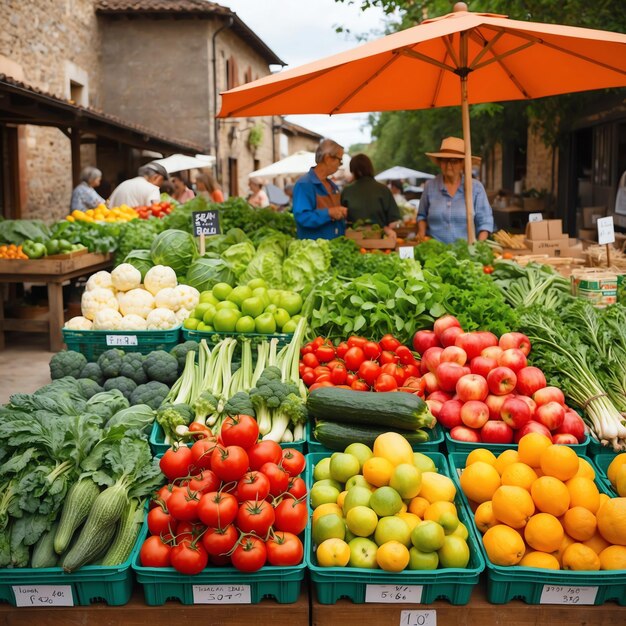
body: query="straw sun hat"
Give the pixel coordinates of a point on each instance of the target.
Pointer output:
(451, 148)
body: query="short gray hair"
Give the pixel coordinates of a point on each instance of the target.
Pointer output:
(327, 146)
(89, 174)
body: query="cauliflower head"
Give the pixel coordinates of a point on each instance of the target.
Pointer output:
(79, 323)
(133, 322)
(126, 277)
(97, 299)
(182, 314)
(107, 319)
(188, 297)
(159, 277)
(161, 319)
(167, 298)
(100, 279)
(136, 301)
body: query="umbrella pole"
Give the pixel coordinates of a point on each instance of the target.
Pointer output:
(467, 137)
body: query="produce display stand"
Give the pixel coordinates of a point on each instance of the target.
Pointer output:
(53, 273)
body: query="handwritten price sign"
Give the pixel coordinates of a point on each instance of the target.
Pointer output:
(206, 223)
(221, 594)
(564, 594)
(418, 618)
(606, 230)
(393, 593)
(43, 595)
(121, 340)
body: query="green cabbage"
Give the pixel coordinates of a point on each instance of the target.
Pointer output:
(239, 256)
(208, 271)
(174, 248)
(307, 260)
(265, 265)
(141, 260)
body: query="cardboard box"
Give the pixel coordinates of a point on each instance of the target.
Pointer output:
(537, 231)
(591, 215)
(380, 243)
(588, 234)
(555, 229)
(552, 247)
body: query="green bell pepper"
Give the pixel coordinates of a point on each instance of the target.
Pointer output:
(33, 250)
(52, 246)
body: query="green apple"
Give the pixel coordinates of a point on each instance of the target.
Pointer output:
(296, 318)
(265, 323)
(226, 304)
(361, 521)
(330, 526)
(322, 469)
(255, 283)
(290, 326)
(274, 296)
(363, 553)
(454, 552)
(358, 480)
(422, 560)
(252, 306)
(205, 328)
(261, 292)
(428, 536)
(359, 450)
(392, 528)
(201, 309)
(386, 501)
(221, 290)
(209, 314)
(356, 496)
(191, 323)
(281, 317)
(239, 294)
(225, 320)
(270, 308)
(406, 480)
(245, 324)
(329, 482)
(343, 466)
(207, 297)
(323, 494)
(423, 462)
(291, 302)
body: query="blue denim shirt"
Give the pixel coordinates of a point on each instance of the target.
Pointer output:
(85, 197)
(445, 214)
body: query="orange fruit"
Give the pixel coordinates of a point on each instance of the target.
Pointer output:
(519, 474)
(480, 454)
(436, 487)
(612, 521)
(540, 559)
(559, 461)
(512, 505)
(530, 448)
(435, 510)
(580, 523)
(484, 517)
(505, 459)
(614, 466)
(566, 543)
(377, 471)
(603, 500)
(479, 481)
(583, 492)
(585, 469)
(550, 495)
(393, 556)
(597, 543)
(418, 505)
(544, 532)
(504, 545)
(613, 557)
(580, 557)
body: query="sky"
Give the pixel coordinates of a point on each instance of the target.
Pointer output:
(301, 31)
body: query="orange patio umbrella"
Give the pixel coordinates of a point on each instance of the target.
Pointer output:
(461, 58)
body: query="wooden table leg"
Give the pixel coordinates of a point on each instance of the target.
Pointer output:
(56, 316)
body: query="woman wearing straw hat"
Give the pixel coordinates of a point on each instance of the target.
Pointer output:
(441, 213)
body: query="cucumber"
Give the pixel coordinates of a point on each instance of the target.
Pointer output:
(44, 554)
(125, 536)
(338, 436)
(80, 499)
(392, 409)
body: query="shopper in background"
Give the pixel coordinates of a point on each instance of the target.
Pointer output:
(182, 193)
(316, 200)
(396, 189)
(142, 190)
(257, 196)
(207, 187)
(84, 196)
(442, 213)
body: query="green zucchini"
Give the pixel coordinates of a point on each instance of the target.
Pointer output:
(392, 409)
(80, 499)
(44, 554)
(338, 436)
(126, 535)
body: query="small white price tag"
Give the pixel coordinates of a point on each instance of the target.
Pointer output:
(406, 252)
(121, 340)
(393, 593)
(535, 217)
(418, 618)
(606, 230)
(221, 594)
(43, 595)
(566, 594)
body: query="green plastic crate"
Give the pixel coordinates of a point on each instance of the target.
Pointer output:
(158, 445)
(432, 445)
(453, 445)
(452, 584)
(529, 583)
(213, 337)
(92, 343)
(601, 464)
(597, 449)
(90, 584)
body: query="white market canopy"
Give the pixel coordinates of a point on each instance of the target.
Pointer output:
(297, 163)
(397, 172)
(180, 162)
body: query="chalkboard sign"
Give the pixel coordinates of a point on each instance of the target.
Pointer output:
(206, 223)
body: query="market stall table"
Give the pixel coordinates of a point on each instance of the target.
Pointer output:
(53, 273)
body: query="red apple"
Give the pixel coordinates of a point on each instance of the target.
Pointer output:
(492, 352)
(435, 407)
(470, 342)
(424, 339)
(532, 427)
(532, 405)
(449, 335)
(529, 380)
(489, 340)
(450, 414)
(463, 433)
(549, 394)
(454, 354)
(474, 414)
(430, 359)
(448, 374)
(515, 340)
(444, 322)
(513, 359)
(501, 380)
(495, 405)
(471, 387)
(515, 412)
(482, 365)
(431, 382)
(564, 439)
(496, 431)
(572, 425)
(551, 415)
(439, 395)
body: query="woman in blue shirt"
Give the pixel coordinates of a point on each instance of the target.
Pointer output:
(84, 196)
(442, 213)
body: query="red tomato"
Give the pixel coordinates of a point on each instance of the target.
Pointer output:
(205, 482)
(338, 374)
(372, 350)
(341, 349)
(322, 378)
(369, 371)
(201, 431)
(406, 356)
(183, 505)
(324, 383)
(284, 549)
(189, 558)
(310, 360)
(321, 369)
(229, 463)
(389, 342)
(253, 486)
(240, 430)
(325, 353)
(291, 516)
(188, 531)
(264, 452)
(163, 494)
(201, 453)
(293, 461)
(488, 269)
(317, 342)
(350, 378)
(308, 377)
(388, 357)
(386, 382)
(297, 487)
(331, 365)
(397, 371)
(160, 522)
(360, 385)
(306, 349)
(218, 541)
(250, 555)
(353, 358)
(175, 463)
(155, 553)
(278, 477)
(412, 370)
(255, 516)
(356, 342)
(218, 509)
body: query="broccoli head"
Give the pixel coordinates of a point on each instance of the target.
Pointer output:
(240, 404)
(67, 363)
(204, 405)
(162, 367)
(170, 416)
(271, 389)
(93, 371)
(110, 362)
(180, 352)
(88, 387)
(152, 394)
(295, 409)
(123, 384)
(132, 367)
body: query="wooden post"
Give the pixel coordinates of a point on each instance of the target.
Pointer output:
(608, 255)
(469, 200)
(75, 143)
(202, 245)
